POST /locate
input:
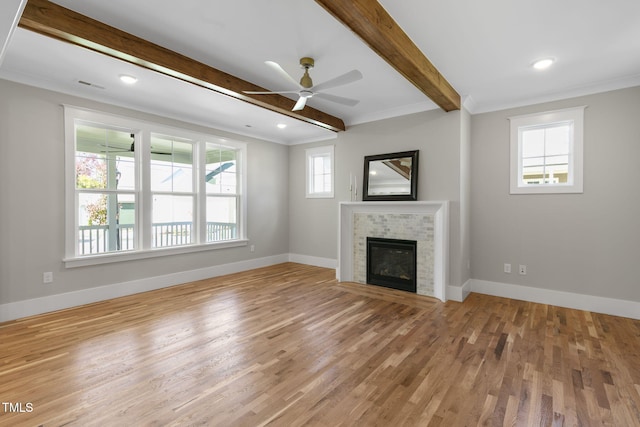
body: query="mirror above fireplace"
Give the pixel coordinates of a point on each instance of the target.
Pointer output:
(392, 176)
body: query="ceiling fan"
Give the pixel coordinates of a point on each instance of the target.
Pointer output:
(306, 89)
(132, 148)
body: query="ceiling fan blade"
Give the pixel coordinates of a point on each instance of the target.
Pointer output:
(132, 148)
(339, 99)
(111, 148)
(278, 69)
(250, 92)
(350, 77)
(302, 101)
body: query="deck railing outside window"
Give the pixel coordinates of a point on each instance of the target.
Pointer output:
(94, 239)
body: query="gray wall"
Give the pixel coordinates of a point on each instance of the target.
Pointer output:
(443, 141)
(583, 243)
(32, 197)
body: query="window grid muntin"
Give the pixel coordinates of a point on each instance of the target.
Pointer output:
(547, 169)
(321, 175)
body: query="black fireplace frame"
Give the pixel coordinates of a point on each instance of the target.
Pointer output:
(409, 285)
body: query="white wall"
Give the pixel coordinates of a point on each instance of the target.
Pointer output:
(32, 197)
(10, 12)
(585, 244)
(441, 138)
(465, 199)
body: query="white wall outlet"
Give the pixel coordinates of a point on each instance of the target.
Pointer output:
(252, 248)
(47, 277)
(523, 269)
(507, 268)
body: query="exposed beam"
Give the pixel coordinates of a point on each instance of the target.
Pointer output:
(371, 22)
(52, 20)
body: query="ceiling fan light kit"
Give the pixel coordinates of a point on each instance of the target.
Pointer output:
(306, 89)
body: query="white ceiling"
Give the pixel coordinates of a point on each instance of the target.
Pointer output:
(484, 49)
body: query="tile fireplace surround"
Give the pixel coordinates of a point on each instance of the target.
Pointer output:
(424, 222)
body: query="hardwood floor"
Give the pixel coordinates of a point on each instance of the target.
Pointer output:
(287, 345)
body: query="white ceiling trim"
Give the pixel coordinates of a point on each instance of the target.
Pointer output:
(572, 92)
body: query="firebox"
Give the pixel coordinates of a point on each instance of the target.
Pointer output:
(391, 263)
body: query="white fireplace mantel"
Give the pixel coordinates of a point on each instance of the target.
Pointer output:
(440, 259)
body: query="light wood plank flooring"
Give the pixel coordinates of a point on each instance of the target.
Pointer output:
(287, 345)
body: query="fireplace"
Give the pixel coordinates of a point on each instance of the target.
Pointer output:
(425, 222)
(392, 263)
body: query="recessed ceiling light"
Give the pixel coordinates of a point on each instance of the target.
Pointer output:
(541, 64)
(125, 78)
(281, 125)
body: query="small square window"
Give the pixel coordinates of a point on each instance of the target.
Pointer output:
(320, 167)
(547, 152)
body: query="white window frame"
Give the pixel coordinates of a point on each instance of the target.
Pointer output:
(573, 116)
(310, 155)
(143, 131)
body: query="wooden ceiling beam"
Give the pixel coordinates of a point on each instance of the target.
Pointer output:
(371, 22)
(50, 19)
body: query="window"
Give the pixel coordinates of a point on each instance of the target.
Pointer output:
(173, 196)
(547, 152)
(222, 196)
(137, 189)
(320, 172)
(105, 187)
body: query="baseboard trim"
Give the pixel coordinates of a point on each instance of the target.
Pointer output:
(31, 307)
(459, 293)
(35, 306)
(314, 260)
(604, 305)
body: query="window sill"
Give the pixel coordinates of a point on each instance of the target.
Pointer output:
(320, 196)
(548, 189)
(108, 258)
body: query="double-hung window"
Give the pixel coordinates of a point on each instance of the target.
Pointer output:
(138, 189)
(320, 172)
(106, 189)
(547, 152)
(173, 190)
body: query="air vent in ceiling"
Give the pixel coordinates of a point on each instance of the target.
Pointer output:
(82, 82)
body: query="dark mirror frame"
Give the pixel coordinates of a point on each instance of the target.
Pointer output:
(413, 195)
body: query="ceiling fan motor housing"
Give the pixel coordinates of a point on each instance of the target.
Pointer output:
(306, 63)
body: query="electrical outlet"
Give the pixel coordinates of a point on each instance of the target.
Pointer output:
(507, 268)
(523, 270)
(252, 248)
(47, 277)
